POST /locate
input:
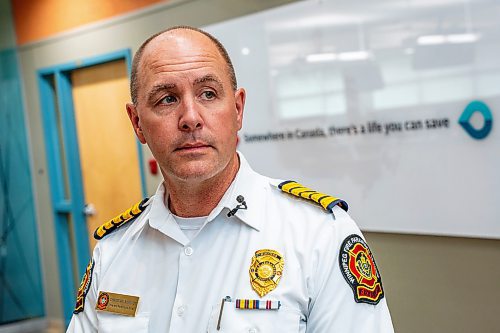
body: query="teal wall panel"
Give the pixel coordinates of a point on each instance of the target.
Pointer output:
(21, 292)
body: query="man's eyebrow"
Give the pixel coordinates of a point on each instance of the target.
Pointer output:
(159, 87)
(210, 78)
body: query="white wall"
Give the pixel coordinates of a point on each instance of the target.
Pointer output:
(421, 173)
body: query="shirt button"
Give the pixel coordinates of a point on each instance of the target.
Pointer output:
(180, 310)
(252, 330)
(188, 250)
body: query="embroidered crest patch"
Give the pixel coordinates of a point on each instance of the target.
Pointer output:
(84, 288)
(266, 270)
(360, 271)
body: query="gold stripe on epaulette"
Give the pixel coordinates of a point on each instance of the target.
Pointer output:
(114, 223)
(326, 201)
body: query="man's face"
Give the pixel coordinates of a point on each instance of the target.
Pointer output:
(187, 111)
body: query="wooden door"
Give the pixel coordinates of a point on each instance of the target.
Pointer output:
(108, 148)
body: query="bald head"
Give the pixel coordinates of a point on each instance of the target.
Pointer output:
(136, 63)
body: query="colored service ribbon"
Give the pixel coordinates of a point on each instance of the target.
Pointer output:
(248, 304)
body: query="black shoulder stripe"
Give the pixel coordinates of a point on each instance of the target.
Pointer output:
(324, 200)
(118, 221)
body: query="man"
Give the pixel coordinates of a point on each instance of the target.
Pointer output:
(220, 248)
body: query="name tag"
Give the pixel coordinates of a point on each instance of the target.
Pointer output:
(117, 303)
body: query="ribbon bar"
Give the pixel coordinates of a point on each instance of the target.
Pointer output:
(249, 304)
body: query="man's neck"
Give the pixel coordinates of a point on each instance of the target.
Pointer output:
(192, 198)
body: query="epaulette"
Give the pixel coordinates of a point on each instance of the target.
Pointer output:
(324, 200)
(120, 220)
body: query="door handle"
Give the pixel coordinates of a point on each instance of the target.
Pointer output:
(89, 210)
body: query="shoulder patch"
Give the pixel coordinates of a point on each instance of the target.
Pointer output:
(360, 271)
(84, 288)
(324, 200)
(123, 218)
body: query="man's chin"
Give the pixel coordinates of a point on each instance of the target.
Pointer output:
(194, 172)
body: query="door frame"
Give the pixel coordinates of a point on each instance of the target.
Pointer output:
(55, 81)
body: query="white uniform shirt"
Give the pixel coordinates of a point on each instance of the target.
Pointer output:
(180, 283)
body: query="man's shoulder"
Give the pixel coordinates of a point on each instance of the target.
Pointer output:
(315, 220)
(121, 221)
(298, 195)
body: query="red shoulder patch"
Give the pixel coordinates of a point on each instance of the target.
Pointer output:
(360, 270)
(84, 288)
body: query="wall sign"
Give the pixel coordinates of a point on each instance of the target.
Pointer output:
(391, 108)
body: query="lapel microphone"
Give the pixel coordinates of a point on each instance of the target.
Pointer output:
(242, 205)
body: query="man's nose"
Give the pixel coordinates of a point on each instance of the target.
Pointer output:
(190, 118)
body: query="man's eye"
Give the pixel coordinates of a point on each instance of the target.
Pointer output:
(168, 100)
(208, 94)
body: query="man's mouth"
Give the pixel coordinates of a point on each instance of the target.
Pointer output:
(194, 146)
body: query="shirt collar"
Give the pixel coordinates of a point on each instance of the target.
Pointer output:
(251, 186)
(247, 183)
(161, 218)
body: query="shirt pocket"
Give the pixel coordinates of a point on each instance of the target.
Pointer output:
(112, 323)
(235, 320)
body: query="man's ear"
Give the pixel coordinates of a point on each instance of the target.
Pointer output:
(239, 99)
(134, 119)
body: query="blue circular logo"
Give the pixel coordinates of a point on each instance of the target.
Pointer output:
(484, 110)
